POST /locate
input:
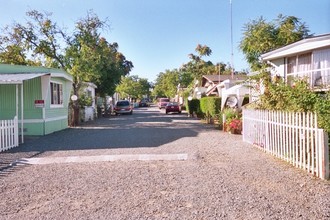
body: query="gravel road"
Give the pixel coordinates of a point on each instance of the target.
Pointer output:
(222, 177)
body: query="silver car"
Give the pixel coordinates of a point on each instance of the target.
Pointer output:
(123, 107)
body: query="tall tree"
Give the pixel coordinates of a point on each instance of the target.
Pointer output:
(197, 66)
(84, 54)
(260, 36)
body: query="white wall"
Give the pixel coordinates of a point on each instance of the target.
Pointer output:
(278, 67)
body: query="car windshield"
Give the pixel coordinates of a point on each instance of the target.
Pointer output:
(173, 104)
(123, 103)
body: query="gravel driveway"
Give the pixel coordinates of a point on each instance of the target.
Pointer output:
(222, 177)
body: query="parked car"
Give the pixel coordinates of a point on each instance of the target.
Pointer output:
(162, 102)
(173, 107)
(143, 103)
(123, 107)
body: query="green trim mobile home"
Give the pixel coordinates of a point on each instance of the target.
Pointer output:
(38, 95)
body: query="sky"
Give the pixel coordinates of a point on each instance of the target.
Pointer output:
(158, 35)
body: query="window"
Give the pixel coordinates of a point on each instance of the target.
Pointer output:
(291, 64)
(56, 93)
(300, 64)
(321, 60)
(305, 63)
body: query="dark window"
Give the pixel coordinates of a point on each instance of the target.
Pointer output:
(123, 103)
(56, 93)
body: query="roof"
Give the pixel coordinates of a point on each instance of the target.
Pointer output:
(305, 45)
(215, 78)
(18, 78)
(18, 73)
(212, 90)
(90, 84)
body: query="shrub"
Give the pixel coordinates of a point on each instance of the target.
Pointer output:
(193, 106)
(297, 98)
(210, 107)
(323, 111)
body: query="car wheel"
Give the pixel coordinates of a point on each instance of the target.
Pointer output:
(166, 112)
(179, 112)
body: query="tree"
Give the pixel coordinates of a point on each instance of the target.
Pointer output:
(261, 36)
(133, 87)
(167, 83)
(91, 58)
(198, 67)
(84, 54)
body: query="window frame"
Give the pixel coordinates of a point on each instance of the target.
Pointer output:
(56, 94)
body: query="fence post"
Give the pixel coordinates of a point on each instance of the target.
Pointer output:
(324, 156)
(16, 131)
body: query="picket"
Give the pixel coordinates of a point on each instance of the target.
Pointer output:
(292, 137)
(8, 134)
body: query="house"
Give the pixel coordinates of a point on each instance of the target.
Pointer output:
(38, 96)
(308, 58)
(228, 87)
(212, 84)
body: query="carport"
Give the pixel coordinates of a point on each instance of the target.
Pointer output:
(18, 79)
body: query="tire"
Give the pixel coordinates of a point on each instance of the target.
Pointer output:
(166, 112)
(179, 112)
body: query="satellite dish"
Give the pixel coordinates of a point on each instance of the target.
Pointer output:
(231, 101)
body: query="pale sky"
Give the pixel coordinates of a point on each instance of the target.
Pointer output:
(159, 34)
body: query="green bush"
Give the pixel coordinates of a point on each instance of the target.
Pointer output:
(85, 100)
(297, 98)
(323, 111)
(230, 113)
(193, 106)
(210, 107)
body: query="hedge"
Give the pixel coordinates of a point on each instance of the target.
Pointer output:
(210, 107)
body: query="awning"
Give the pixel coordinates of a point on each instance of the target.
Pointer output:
(18, 78)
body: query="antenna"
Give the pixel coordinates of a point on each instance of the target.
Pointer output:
(231, 40)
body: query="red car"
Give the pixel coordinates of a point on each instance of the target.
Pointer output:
(173, 107)
(162, 102)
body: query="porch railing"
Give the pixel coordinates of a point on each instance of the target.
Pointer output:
(8, 134)
(293, 137)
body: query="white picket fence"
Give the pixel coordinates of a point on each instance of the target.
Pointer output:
(293, 137)
(8, 134)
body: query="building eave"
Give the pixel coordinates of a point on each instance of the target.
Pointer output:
(302, 46)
